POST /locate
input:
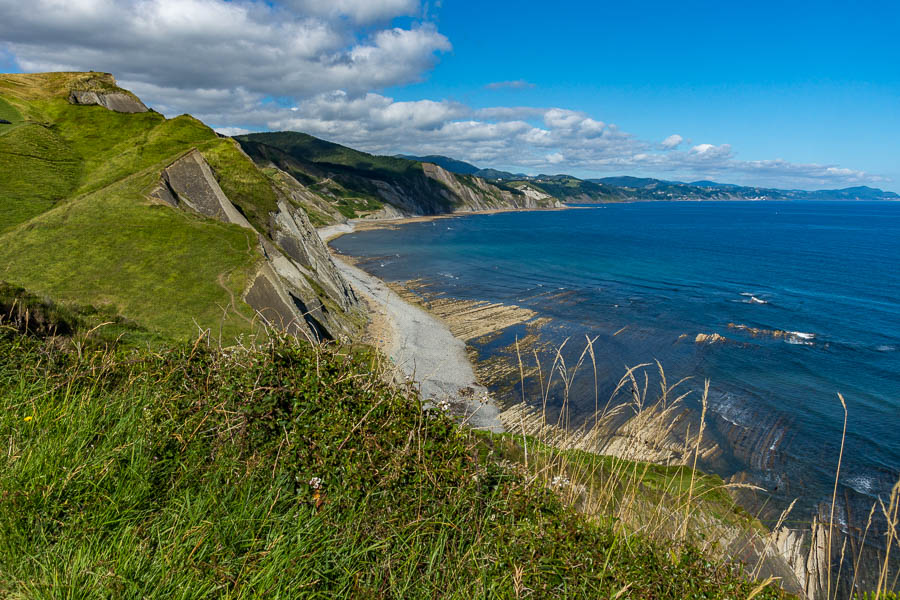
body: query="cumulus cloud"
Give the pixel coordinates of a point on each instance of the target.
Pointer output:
(232, 131)
(241, 46)
(673, 141)
(313, 66)
(555, 158)
(518, 84)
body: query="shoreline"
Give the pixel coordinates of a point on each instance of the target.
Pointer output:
(420, 345)
(642, 432)
(332, 232)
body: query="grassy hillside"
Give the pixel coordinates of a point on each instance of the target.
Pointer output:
(285, 471)
(358, 184)
(76, 224)
(347, 178)
(316, 150)
(570, 189)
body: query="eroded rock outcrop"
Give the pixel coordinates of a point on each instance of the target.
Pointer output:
(189, 183)
(101, 89)
(114, 101)
(806, 552)
(709, 338)
(467, 193)
(296, 287)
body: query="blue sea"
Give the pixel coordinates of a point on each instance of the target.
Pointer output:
(646, 278)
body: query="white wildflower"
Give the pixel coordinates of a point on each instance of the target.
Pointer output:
(560, 481)
(315, 483)
(443, 404)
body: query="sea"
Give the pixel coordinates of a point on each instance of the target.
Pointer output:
(806, 295)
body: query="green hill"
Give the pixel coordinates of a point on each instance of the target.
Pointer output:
(358, 184)
(451, 164)
(81, 220)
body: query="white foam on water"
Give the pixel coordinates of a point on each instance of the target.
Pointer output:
(799, 338)
(863, 484)
(751, 299)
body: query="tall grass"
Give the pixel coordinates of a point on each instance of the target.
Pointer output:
(284, 469)
(633, 463)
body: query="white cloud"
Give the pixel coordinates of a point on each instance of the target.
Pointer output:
(232, 131)
(315, 66)
(518, 84)
(555, 158)
(673, 141)
(271, 50)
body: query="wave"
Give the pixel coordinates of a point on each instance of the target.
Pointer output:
(791, 337)
(751, 299)
(886, 348)
(799, 338)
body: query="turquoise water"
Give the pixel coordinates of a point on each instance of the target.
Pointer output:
(825, 272)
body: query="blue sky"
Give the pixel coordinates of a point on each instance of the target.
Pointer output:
(787, 94)
(804, 81)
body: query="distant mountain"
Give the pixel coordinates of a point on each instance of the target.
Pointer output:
(627, 181)
(712, 184)
(451, 164)
(463, 168)
(495, 174)
(861, 192)
(567, 188)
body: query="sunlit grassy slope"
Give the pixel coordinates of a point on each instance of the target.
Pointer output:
(285, 471)
(75, 222)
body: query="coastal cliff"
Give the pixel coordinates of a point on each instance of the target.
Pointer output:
(173, 226)
(356, 184)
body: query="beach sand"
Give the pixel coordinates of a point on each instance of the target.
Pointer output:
(420, 345)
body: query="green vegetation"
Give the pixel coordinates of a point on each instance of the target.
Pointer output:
(39, 170)
(76, 225)
(245, 185)
(351, 207)
(568, 189)
(318, 151)
(165, 269)
(283, 471)
(8, 113)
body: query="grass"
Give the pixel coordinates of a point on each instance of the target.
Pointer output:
(43, 317)
(282, 471)
(245, 185)
(76, 225)
(114, 249)
(39, 170)
(601, 467)
(9, 113)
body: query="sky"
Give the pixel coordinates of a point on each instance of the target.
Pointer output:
(789, 94)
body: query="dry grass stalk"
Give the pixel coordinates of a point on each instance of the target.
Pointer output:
(645, 429)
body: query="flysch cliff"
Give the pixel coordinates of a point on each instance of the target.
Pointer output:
(118, 152)
(357, 184)
(283, 289)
